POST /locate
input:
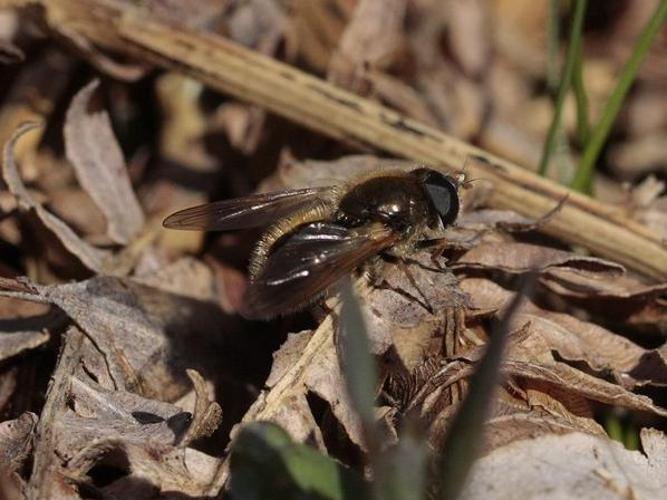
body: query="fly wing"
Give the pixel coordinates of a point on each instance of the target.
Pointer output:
(308, 262)
(249, 211)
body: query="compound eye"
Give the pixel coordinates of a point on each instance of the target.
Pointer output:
(443, 194)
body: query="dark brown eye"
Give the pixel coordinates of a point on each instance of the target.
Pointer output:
(442, 192)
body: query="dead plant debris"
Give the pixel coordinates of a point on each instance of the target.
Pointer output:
(126, 370)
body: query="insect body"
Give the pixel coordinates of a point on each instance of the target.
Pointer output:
(318, 235)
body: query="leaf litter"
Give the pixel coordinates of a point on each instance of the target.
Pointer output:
(153, 386)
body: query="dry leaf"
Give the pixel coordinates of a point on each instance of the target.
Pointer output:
(468, 34)
(207, 413)
(15, 342)
(572, 466)
(371, 39)
(145, 471)
(16, 441)
(574, 339)
(93, 258)
(150, 357)
(99, 165)
(523, 257)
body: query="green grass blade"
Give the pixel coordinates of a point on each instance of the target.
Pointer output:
(583, 125)
(399, 472)
(553, 44)
(465, 434)
(266, 463)
(583, 179)
(565, 84)
(358, 364)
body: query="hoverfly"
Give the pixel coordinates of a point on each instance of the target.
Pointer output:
(317, 235)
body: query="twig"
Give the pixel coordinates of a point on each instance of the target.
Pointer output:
(307, 100)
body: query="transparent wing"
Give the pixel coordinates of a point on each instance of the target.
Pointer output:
(238, 213)
(308, 262)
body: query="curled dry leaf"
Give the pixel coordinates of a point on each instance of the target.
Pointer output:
(93, 258)
(574, 339)
(97, 413)
(207, 413)
(159, 329)
(577, 382)
(408, 307)
(504, 219)
(86, 425)
(103, 62)
(306, 363)
(588, 467)
(23, 325)
(524, 257)
(146, 471)
(15, 342)
(570, 283)
(505, 429)
(16, 441)
(98, 161)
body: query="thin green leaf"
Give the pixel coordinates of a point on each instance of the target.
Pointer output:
(583, 125)
(358, 365)
(266, 463)
(631, 440)
(583, 179)
(553, 44)
(565, 84)
(464, 436)
(400, 471)
(614, 428)
(403, 470)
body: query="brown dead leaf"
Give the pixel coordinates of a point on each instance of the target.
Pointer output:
(159, 329)
(371, 40)
(146, 471)
(575, 381)
(519, 35)
(506, 220)
(100, 60)
(401, 96)
(16, 441)
(572, 466)
(258, 23)
(574, 284)
(308, 363)
(468, 34)
(98, 161)
(207, 413)
(93, 258)
(97, 413)
(505, 429)
(524, 257)
(84, 425)
(574, 339)
(15, 342)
